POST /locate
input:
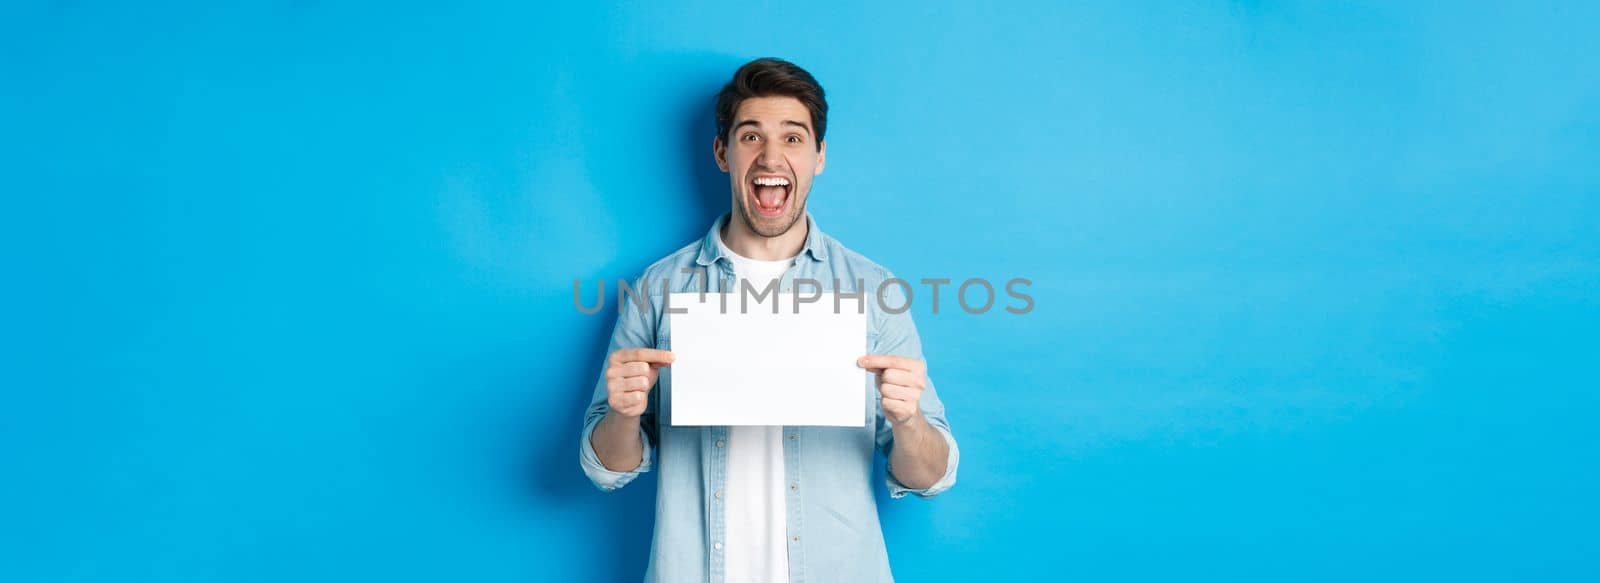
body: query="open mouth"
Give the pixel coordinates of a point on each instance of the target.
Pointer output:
(770, 194)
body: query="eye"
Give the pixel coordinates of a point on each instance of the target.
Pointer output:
(750, 137)
(794, 139)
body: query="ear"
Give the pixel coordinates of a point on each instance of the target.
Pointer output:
(719, 152)
(822, 157)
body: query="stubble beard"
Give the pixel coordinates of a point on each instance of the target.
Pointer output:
(774, 227)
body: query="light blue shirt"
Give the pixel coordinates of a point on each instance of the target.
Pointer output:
(832, 522)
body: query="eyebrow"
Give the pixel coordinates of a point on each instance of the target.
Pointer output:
(787, 122)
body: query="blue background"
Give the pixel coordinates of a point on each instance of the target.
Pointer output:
(288, 285)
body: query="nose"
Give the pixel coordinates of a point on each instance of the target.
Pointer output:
(771, 156)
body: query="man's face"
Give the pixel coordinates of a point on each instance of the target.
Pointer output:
(770, 156)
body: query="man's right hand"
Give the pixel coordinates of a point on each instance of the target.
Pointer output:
(630, 374)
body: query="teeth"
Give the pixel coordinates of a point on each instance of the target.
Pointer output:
(772, 181)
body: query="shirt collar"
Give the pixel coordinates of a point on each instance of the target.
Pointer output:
(711, 251)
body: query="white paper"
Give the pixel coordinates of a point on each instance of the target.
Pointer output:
(795, 367)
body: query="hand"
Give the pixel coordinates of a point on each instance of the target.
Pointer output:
(630, 374)
(900, 383)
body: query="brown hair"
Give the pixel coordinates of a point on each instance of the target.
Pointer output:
(769, 77)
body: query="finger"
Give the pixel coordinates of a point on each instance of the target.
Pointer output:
(882, 361)
(879, 361)
(900, 392)
(629, 384)
(902, 377)
(650, 355)
(899, 407)
(628, 369)
(629, 402)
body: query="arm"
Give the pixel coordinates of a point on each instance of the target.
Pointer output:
(617, 443)
(614, 445)
(912, 431)
(630, 375)
(920, 453)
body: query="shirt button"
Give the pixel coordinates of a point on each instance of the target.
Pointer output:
(797, 538)
(794, 436)
(794, 487)
(718, 494)
(717, 546)
(719, 443)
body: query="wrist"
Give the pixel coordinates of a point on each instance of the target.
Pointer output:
(914, 421)
(614, 418)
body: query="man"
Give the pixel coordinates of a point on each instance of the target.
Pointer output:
(767, 503)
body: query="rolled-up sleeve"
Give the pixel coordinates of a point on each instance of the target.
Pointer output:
(603, 478)
(634, 329)
(933, 410)
(897, 335)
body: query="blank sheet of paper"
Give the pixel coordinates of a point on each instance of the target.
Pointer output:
(795, 367)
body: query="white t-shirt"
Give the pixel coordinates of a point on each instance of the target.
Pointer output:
(756, 520)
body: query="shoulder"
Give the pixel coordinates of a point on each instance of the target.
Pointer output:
(858, 264)
(672, 265)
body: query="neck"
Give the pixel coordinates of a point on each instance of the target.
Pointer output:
(741, 239)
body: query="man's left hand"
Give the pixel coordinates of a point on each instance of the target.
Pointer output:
(900, 383)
